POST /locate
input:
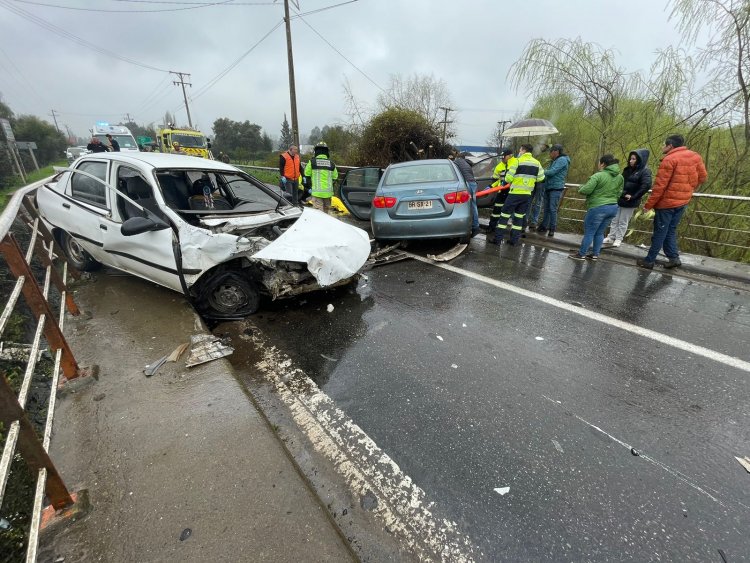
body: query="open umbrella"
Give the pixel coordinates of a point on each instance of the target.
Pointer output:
(530, 128)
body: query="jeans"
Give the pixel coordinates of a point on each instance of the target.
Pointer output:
(535, 205)
(665, 233)
(290, 190)
(550, 203)
(474, 209)
(620, 223)
(595, 223)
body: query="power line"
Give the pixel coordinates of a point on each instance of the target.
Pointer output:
(74, 38)
(195, 6)
(362, 72)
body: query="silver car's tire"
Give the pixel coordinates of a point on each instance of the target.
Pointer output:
(76, 255)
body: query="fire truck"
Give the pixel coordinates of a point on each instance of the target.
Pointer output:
(191, 142)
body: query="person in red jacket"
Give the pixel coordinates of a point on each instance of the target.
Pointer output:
(680, 173)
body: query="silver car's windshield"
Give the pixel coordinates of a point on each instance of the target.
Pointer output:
(420, 173)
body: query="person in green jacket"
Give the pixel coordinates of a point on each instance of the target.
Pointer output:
(602, 191)
(322, 172)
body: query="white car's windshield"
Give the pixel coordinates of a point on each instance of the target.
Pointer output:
(214, 191)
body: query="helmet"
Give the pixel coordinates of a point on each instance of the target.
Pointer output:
(321, 148)
(322, 144)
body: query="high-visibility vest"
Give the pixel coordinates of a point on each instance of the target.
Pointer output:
(501, 170)
(322, 172)
(291, 166)
(524, 173)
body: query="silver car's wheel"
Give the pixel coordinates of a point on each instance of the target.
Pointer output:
(77, 256)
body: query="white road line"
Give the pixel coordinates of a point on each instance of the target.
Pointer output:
(674, 472)
(635, 329)
(402, 505)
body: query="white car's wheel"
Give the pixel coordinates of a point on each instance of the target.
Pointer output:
(228, 294)
(77, 256)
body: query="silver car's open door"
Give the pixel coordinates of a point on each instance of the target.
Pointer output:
(357, 190)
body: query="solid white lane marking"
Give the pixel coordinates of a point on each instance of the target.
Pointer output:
(674, 472)
(403, 507)
(635, 329)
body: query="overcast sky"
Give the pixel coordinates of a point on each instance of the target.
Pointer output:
(470, 44)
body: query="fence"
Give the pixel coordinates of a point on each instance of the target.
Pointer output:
(714, 225)
(38, 260)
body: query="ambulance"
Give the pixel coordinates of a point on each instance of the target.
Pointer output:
(119, 133)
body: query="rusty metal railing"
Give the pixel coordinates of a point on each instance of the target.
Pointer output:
(21, 435)
(714, 224)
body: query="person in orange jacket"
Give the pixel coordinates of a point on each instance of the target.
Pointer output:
(680, 173)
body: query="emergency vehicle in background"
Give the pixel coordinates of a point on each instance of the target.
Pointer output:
(119, 133)
(191, 142)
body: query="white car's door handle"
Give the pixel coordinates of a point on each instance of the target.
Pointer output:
(66, 205)
(102, 227)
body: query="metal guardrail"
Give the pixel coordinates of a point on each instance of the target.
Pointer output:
(41, 254)
(714, 225)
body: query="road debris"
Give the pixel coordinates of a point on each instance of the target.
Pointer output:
(558, 447)
(448, 254)
(151, 369)
(205, 348)
(539, 338)
(440, 338)
(329, 308)
(744, 462)
(186, 533)
(178, 352)
(635, 452)
(502, 491)
(385, 255)
(329, 358)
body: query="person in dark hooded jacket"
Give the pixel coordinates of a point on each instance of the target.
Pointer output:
(637, 183)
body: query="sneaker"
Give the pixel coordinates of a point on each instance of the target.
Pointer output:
(641, 262)
(673, 263)
(608, 240)
(551, 233)
(577, 257)
(592, 257)
(616, 243)
(541, 229)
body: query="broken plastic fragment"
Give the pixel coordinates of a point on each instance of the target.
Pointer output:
(502, 491)
(454, 366)
(440, 338)
(539, 338)
(206, 347)
(329, 308)
(744, 461)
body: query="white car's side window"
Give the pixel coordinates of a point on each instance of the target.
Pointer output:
(88, 189)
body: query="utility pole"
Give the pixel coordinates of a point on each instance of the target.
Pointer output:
(71, 139)
(55, 120)
(502, 130)
(182, 83)
(129, 120)
(445, 120)
(292, 89)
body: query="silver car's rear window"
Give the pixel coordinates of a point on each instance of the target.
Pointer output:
(420, 173)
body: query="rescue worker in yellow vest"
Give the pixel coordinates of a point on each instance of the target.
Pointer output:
(322, 172)
(499, 180)
(522, 175)
(290, 172)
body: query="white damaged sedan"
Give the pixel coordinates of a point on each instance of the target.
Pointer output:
(197, 226)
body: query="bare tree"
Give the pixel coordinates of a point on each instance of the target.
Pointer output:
(421, 93)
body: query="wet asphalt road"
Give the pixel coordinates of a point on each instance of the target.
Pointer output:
(471, 387)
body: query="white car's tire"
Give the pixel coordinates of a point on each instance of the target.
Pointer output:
(76, 255)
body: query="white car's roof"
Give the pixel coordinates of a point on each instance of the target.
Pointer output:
(160, 160)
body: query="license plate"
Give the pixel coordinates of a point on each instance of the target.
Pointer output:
(420, 205)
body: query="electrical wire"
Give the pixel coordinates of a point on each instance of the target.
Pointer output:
(195, 6)
(362, 72)
(74, 38)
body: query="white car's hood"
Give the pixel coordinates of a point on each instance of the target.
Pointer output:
(332, 250)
